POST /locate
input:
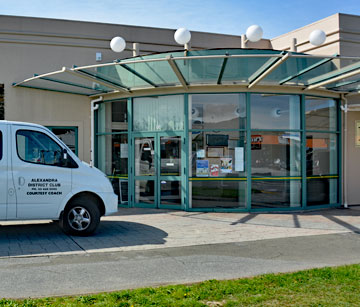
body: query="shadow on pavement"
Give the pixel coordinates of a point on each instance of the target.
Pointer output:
(48, 238)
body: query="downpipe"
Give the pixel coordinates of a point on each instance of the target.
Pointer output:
(94, 107)
(345, 109)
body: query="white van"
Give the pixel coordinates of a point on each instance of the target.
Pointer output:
(41, 178)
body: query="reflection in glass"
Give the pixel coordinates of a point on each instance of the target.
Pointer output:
(144, 156)
(275, 111)
(218, 194)
(218, 154)
(320, 113)
(119, 111)
(170, 154)
(275, 193)
(145, 191)
(322, 191)
(68, 136)
(276, 154)
(321, 154)
(220, 111)
(164, 113)
(170, 192)
(321, 160)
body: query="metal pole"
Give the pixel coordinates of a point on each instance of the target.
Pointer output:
(92, 136)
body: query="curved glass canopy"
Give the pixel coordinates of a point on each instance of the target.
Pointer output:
(246, 67)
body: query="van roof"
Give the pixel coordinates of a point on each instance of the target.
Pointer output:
(7, 122)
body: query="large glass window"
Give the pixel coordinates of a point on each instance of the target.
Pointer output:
(321, 114)
(112, 145)
(275, 154)
(321, 168)
(275, 193)
(217, 111)
(164, 113)
(218, 194)
(37, 147)
(217, 154)
(69, 135)
(119, 111)
(275, 111)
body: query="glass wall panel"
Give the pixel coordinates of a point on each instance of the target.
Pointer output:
(120, 155)
(275, 111)
(322, 191)
(275, 154)
(170, 192)
(170, 155)
(217, 111)
(321, 114)
(113, 161)
(322, 168)
(275, 193)
(119, 111)
(164, 113)
(145, 191)
(218, 194)
(144, 156)
(321, 154)
(217, 154)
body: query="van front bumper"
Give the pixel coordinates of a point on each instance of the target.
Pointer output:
(110, 201)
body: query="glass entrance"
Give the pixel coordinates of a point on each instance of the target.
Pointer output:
(158, 171)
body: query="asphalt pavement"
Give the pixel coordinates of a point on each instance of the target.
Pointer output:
(144, 247)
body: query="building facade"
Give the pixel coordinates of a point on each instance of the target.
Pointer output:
(218, 127)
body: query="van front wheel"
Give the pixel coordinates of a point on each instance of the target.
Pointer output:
(81, 217)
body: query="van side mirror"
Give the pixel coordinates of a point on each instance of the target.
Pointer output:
(65, 155)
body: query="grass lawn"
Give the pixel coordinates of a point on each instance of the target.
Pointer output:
(338, 286)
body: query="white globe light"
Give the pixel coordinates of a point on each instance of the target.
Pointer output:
(182, 36)
(317, 37)
(117, 44)
(254, 33)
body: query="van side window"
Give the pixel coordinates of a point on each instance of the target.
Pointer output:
(1, 145)
(37, 147)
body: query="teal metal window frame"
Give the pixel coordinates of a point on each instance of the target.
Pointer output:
(186, 179)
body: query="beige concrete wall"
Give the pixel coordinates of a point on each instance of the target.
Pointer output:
(350, 35)
(330, 25)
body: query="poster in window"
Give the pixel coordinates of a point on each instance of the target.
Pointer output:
(239, 159)
(214, 170)
(124, 151)
(226, 165)
(202, 168)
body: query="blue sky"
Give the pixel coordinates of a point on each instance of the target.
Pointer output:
(219, 16)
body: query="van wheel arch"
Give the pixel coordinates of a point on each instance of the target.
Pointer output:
(88, 195)
(81, 215)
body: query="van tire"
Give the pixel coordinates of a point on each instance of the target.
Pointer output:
(81, 217)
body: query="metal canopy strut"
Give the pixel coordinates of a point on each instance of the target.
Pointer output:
(206, 68)
(177, 72)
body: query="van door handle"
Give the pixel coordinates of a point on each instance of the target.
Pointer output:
(21, 181)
